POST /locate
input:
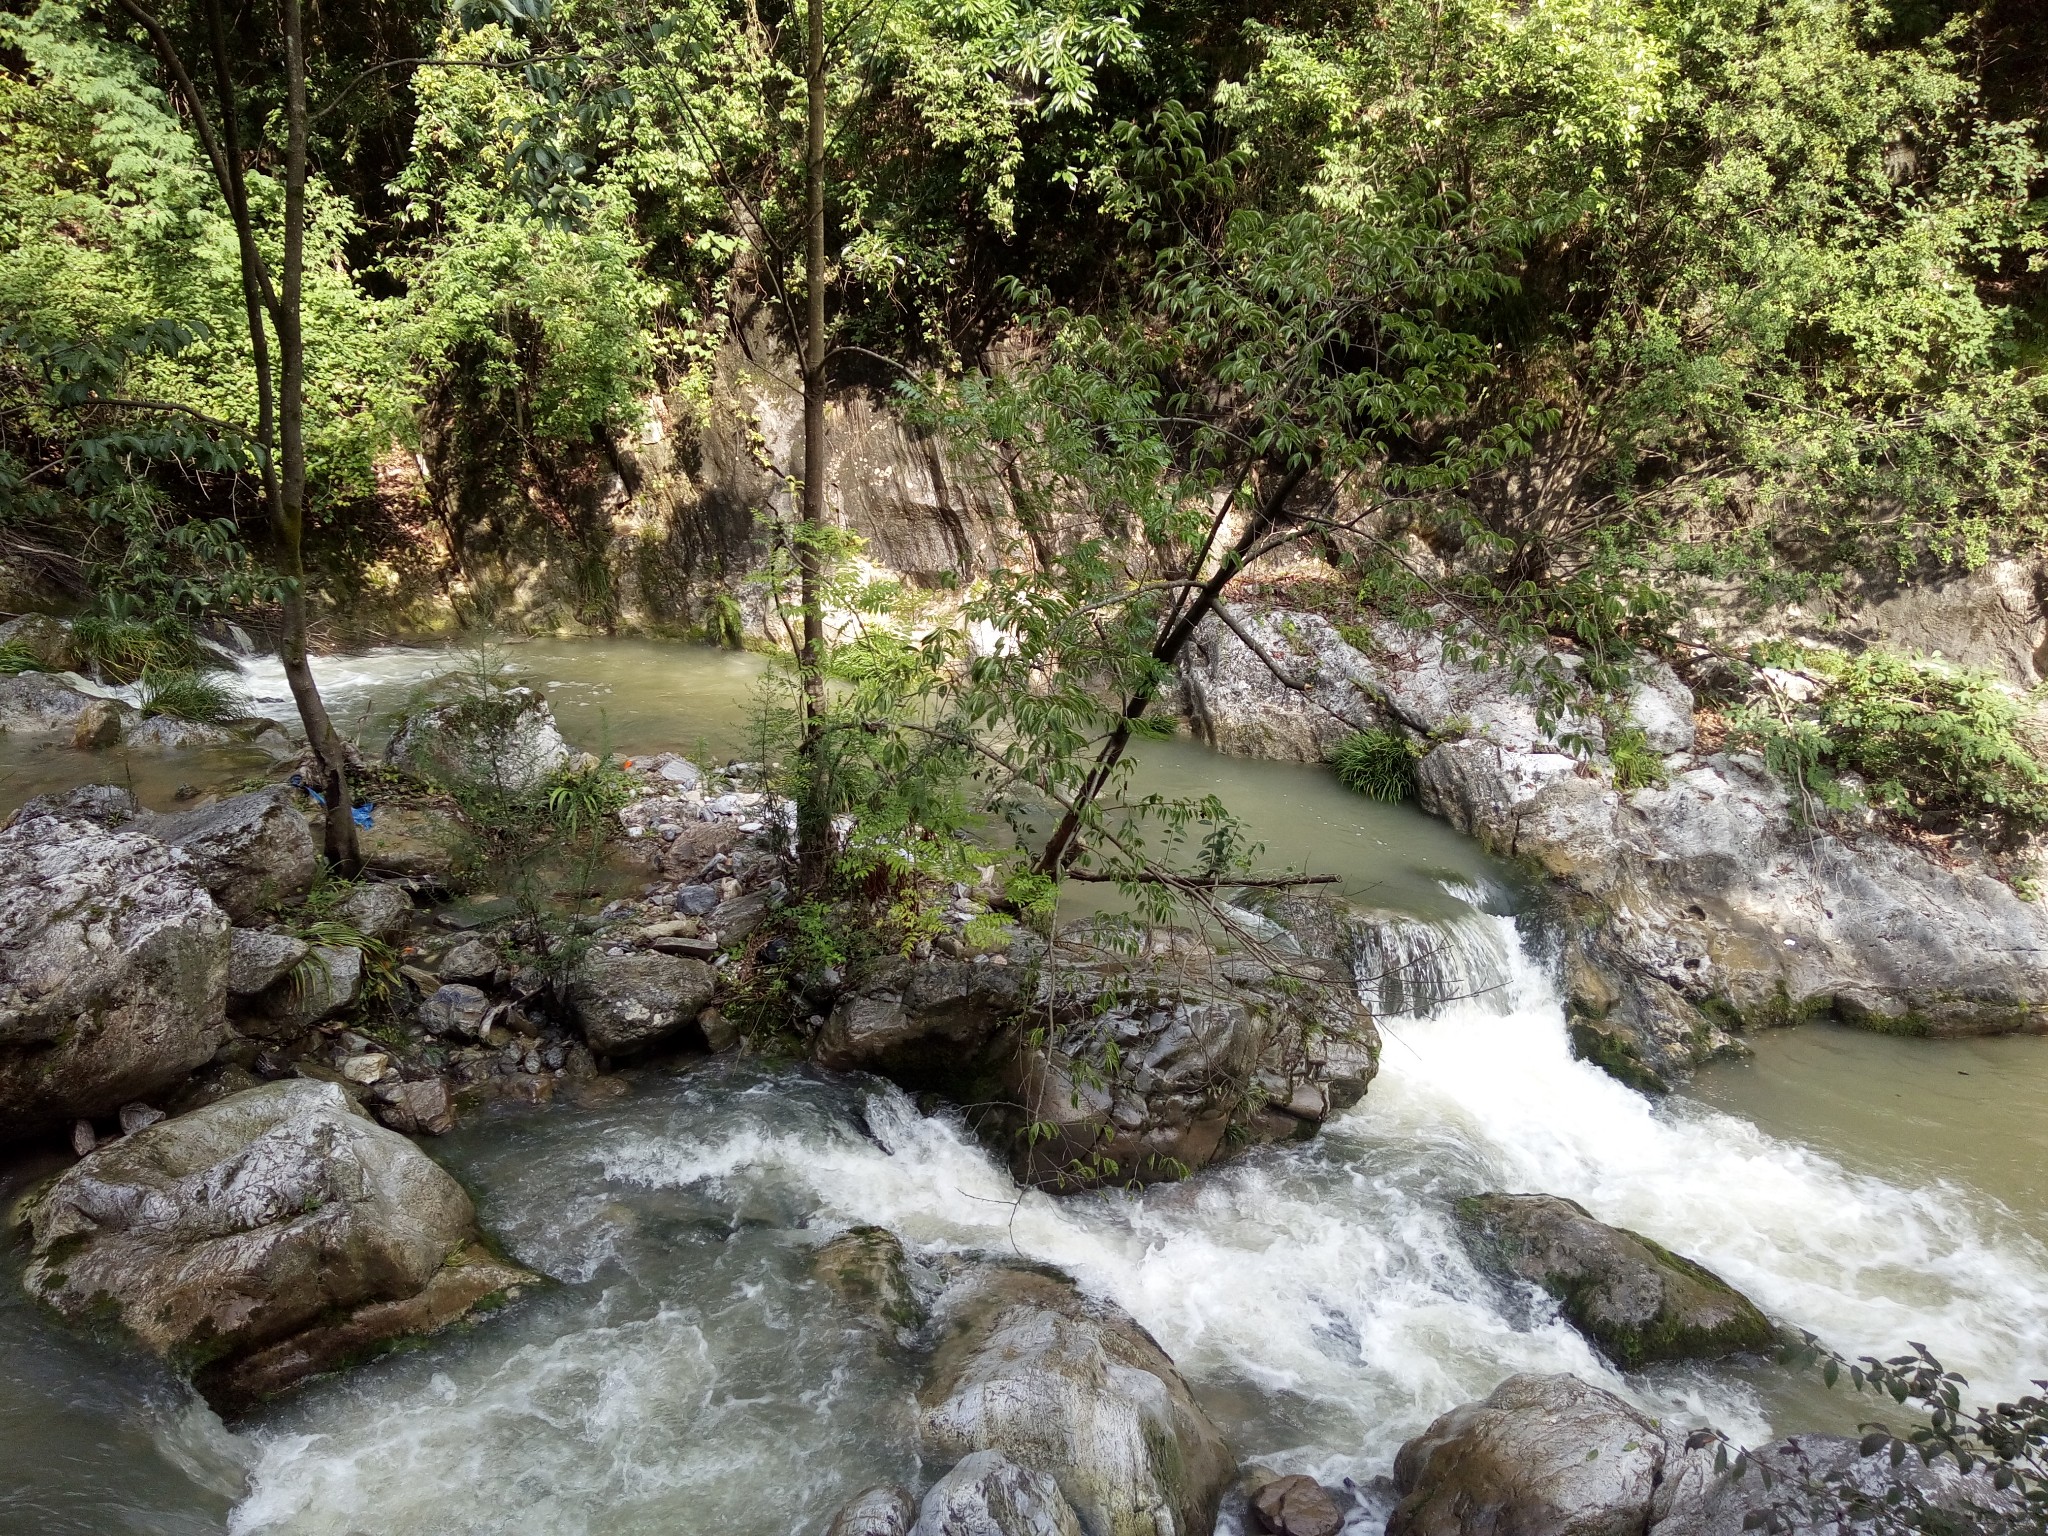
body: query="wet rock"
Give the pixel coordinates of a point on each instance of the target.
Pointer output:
(325, 986)
(1074, 1389)
(470, 961)
(989, 1495)
(1296, 1506)
(83, 1137)
(505, 739)
(113, 971)
(99, 725)
(735, 921)
(166, 733)
(276, 1233)
(871, 1274)
(35, 703)
(682, 773)
(376, 911)
(720, 1034)
(455, 1010)
(933, 1024)
(104, 805)
(366, 1068)
(257, 960)
(254, 851)
(884, 1510)
(416, 1109)
(626, 1003)
(1541, 1456)
(1637, 1301)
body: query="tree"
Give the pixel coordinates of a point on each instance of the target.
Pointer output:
(272, 301)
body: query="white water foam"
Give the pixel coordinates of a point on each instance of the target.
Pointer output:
(1316, 1295)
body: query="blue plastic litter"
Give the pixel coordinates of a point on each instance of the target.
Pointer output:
(361, 813)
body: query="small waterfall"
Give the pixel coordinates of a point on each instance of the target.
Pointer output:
(1409, 968)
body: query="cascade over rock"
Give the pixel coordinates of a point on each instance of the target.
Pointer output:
(272, 1235)
(113, 971)
(1702, 900)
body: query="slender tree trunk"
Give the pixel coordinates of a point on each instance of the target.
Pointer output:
(1061, 849)
(291, 430)
(814, 820)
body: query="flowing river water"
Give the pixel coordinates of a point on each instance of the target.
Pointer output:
(688, 1374)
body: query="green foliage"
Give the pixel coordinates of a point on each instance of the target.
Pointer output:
(1636, 765)
(190, 695)
(580, 798)
(16, 658)
(1377, 762)
(727, 623)
(1939, 746)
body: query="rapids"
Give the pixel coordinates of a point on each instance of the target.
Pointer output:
(687, 1373)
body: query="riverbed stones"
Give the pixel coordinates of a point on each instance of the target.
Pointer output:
(323, 986)
(504, 739)
(1637, 1301)
(258, 960)
(455, 1009)
(987, 1494)
(254, 851)
(470, 961)
(376, 911)
(38, 704)
(421, 1108)
(1073, 1388)
(1296, 1506)
(884, 1510)
(626, 1003)
(1540, 1456)
(696, 900)
(260, 1239)
(113, 971)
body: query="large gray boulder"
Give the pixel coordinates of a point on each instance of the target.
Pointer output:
(113, 971)
(105, 805)
(626, 1003)
(46, 639)
(504, 739)
(1074, 1389)
(266, 1237)
(38, 704)
(884, 1510)
(1541, 1456)
(1639, 1302)
(255, 852)
(257, 961)
(987, 1494)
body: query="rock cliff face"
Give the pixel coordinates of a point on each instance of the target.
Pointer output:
(1696, 905)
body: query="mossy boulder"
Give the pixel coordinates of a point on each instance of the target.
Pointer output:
(1634, 1299)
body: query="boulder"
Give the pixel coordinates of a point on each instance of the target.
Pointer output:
(470, 961)
(1638, 1302)
(266, 1237)
(254, 851)
(1073, 1389)
(987, 1494)
(504, 739)
(376, 911)
(868, 1270)
(454, 1010)
(1141, 1067)
(46, 639)
(257, 961)
(416, 1109)
(407, 842)
(113, 971)
(325, 987)
(1541, 1456)
(625, 1003)
(884, 1510)
(1296, 1506)
(105, 805)
(37, 704)
(167, 733)
(99, 725)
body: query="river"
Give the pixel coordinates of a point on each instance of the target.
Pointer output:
(688, 1374)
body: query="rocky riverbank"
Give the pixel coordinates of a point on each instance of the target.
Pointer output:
(1695, 907)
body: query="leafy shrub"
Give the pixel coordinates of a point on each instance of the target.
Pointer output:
(1636, 766)
(188, 695)
(727, 624)
(122, 644)
(1377, 762)
(1939, 746)
(579, 799)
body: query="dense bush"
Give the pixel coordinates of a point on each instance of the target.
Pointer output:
(1377, 762)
